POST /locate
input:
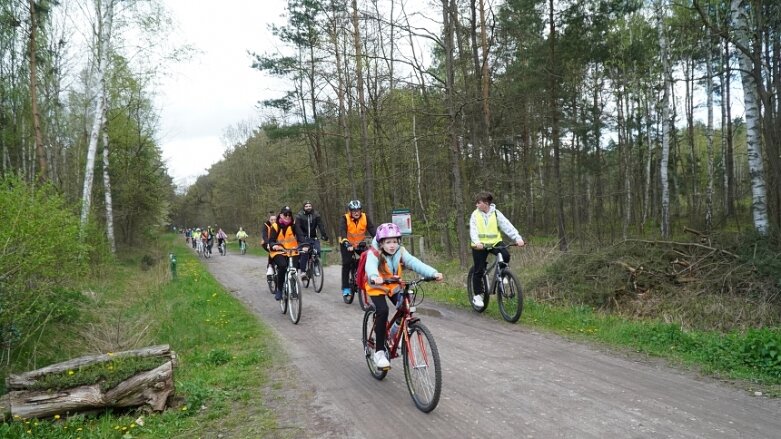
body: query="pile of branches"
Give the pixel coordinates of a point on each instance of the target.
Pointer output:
(699, 283)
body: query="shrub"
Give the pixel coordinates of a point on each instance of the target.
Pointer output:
(40, 255)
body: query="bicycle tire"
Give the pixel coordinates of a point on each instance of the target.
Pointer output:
(306, 281)
(294, 300)
(422, 368)
(509, 295)
(369, 347)
(317, 275)
(470, 291)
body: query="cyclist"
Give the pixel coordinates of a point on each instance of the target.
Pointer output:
(282, 235)
(195, 235)
(484, 226)
(221, 237)
(353, 226)
(241, 235)
(308, 222)
(265, 231)
(388, 265)
(206, 240)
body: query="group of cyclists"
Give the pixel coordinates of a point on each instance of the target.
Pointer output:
(283, 232)
(202, 239)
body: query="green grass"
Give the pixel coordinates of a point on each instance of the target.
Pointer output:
(224, 353)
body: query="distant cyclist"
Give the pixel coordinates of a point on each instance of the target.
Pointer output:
(353, 227)
(221, 237)
(484, 226)
(308, 222)
(241, 236)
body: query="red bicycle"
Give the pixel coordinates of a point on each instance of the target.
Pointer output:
(422, 367)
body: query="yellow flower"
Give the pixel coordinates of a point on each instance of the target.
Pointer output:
(184, 409)
(110, 354)
(78, 429)
(70, 372)
(56, 416)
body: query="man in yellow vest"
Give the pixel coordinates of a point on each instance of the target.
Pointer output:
(484, 226)
(353, 227)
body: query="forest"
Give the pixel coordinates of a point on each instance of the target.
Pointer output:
(591, 121)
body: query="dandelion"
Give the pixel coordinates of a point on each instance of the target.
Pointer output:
(70, 372)
(56, 416)
(78, 429)
(184, 409)
(110, 354)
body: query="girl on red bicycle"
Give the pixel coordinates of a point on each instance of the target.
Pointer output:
(384, 262)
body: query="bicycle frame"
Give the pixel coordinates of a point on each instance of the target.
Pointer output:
(404, 313)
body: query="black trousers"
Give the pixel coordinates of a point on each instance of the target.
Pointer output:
(381, 311)
(281, 262)
(479, 259)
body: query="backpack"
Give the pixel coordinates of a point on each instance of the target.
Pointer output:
(360, 273)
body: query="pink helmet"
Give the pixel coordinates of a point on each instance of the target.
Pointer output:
(387, 230)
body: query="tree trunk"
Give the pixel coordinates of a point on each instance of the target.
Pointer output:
(563, 246)
(367, 163)
(39, 151)
(150, 388)
(103, 46)
(667, 81)
(107, 181)
(753, 134)
(458, 202)
(709, 130)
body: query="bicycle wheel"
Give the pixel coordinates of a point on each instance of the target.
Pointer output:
(510, 296)
(470, 292)
(243, 248)
(317, 275)
(369, 346)
(272, 283)
(294, 299)
(422, 368)
(283, 303)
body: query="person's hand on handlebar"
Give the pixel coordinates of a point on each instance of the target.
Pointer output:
(438, 277)
(276, 247)
(520, 242)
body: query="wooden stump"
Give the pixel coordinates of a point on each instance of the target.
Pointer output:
(149, 388)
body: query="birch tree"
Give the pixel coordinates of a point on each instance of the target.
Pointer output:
(105, 17)
(666, 84)
(739, 13)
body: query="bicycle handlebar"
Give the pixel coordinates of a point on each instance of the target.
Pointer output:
(500, 246)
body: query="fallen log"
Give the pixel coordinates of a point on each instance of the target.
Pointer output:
(29, 396)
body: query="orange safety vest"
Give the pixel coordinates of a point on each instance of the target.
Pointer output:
(385, 273)
(356, 231)
(286, 238)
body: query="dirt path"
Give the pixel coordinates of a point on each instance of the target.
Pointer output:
(499, 380)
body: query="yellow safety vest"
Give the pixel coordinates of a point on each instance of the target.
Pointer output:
(487, 232)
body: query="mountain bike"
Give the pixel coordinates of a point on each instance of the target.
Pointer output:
(207, 252)
(354, 289)
(314, 270)
(504, 284)
(242, 246)
(422, 366)
(291, 289)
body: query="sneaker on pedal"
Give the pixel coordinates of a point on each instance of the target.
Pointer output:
(477, 300)
(269, 271)
(381, 360)
(278, 295)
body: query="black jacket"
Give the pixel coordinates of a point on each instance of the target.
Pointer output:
(308, 224)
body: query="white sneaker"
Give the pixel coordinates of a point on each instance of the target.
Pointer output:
(477, 300)
(380, 360)
(269, 270)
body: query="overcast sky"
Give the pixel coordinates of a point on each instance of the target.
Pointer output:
(217, 88)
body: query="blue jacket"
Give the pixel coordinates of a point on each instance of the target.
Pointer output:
(402, 256)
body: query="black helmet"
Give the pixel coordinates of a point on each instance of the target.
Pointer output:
(286, 210)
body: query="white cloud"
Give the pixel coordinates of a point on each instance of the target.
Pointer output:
(217, 88)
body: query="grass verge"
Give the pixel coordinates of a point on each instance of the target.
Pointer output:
(222, 381)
